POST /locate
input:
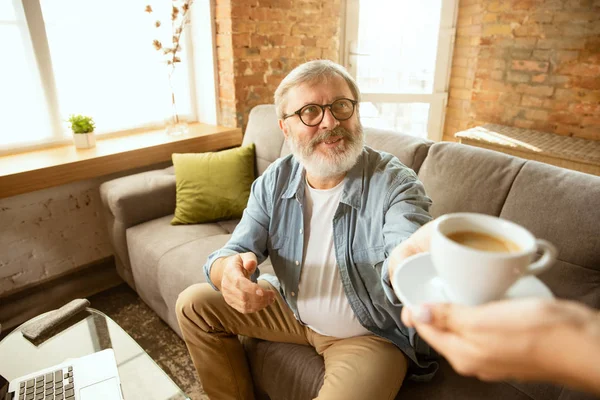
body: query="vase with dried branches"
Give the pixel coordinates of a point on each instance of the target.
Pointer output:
(170, 51)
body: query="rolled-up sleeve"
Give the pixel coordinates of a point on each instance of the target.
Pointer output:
(251, 234)
(408, 210)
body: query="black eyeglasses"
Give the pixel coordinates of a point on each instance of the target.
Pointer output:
(312, 114)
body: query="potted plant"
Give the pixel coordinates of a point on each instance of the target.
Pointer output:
(83, 131)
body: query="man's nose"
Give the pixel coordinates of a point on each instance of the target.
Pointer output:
(329, 121)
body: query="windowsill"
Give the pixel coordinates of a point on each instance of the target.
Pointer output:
(40, 169)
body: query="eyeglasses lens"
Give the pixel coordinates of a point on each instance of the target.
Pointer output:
(341, 109)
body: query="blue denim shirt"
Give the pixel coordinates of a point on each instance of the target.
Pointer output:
(382, 204)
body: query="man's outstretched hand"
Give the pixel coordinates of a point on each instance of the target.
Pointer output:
(238, 290)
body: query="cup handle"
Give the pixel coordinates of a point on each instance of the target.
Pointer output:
(548, 257)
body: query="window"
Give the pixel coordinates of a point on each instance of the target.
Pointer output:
(399, 52)
(92, 57)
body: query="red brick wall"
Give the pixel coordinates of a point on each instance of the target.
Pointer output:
(260, 41)
(527, 63)
(464, 66)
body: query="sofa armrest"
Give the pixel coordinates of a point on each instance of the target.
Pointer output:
(132, 200)
(140, 197)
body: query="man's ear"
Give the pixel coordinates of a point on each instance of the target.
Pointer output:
(283, 127)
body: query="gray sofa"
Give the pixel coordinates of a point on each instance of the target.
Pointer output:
(159, 260)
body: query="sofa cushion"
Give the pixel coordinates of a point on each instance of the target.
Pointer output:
(183, 266)
(149, 242)
(299, 372)
(410, 150)
(460, 178)
(448, 385)
(126, 197)
(229, 225)
(263, 130)
(574, 282)
(298, 375)
(561, 206)
(213, 186)
(542, 391)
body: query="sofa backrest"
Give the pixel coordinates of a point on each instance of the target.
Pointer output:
(263, 130)
(563, 207)
(556, 204)
(462, 178)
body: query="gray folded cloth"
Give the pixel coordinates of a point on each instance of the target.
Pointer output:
(37, 328)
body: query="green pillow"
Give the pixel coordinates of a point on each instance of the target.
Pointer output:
(212, 186)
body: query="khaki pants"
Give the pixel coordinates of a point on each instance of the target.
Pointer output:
(363, 367)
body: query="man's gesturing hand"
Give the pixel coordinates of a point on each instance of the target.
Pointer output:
(237, 288)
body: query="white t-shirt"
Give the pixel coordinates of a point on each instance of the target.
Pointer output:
(322, 303)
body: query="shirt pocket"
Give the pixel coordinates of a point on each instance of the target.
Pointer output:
(277, 252)
(277, 242)
(369, 261)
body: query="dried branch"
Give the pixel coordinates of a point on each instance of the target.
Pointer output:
(179, 18)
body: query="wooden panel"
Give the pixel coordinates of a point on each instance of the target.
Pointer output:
(569, 164)
(27, 172)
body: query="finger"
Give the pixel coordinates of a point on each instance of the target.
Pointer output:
(259, 302)
(407, 317)
(505, 315)
(443, 316)
(576, 313)
(445, 343)
(459, 318)
(252, 304)
(249, 262)
(268, 294)
(245, 285)
(460, 353)
(252, 295)
(242, 301)
(234, 268)
(422, 237)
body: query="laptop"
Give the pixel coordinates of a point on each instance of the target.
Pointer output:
(91, 377)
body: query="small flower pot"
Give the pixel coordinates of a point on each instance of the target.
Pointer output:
(84, 140)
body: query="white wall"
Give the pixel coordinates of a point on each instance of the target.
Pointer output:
(53, 231)
(49, 232)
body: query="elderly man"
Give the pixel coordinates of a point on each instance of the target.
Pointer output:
(328, 216)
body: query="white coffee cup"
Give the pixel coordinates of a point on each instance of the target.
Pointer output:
(472, 276)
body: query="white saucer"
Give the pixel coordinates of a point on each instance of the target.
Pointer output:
(415, 282)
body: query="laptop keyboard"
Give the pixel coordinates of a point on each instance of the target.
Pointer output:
(57, 385)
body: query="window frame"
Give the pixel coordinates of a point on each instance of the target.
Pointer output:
(441, 82)
(200, 44)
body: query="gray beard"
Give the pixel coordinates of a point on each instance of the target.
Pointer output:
(337, 162)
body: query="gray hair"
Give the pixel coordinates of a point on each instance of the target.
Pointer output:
(312, 72)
